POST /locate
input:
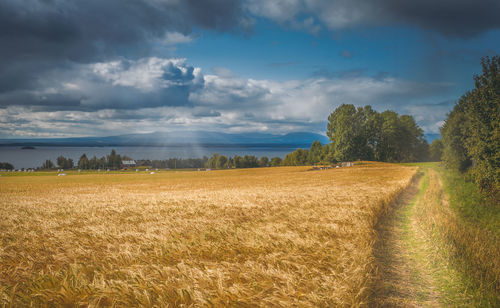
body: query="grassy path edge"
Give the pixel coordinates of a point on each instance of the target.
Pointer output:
(413, 256)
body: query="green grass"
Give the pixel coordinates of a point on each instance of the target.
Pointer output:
(464, 230)
(468, 202)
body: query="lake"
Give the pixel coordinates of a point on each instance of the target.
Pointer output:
(34, 158)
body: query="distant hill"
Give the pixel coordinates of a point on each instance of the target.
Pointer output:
(299, 139)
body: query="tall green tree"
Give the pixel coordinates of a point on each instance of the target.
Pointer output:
(471, 134)
(83, 162)
(6, 166)
(48, 164)
(264, 161)
(365, 134)
(65, 163)
(436, 150)
(347, 132)
(212, 161)
(275, 161)
(296, 158)
(412, 144)
(388, 144)
(455, 155)
(221, 162)
(238, 161)
(315, 153)
(114, 161)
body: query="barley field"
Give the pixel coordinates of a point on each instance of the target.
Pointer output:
(284, 236)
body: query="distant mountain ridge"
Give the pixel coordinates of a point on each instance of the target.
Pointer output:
(303, 139)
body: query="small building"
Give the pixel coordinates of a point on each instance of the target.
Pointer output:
(128, 164)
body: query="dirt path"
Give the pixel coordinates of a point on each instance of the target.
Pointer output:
(413, 269)
(403, 277)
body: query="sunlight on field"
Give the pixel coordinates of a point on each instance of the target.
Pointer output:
(284, 236)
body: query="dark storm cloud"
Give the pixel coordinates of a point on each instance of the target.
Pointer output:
(455, 18)
(123, 84)
(92, 64)
(459, 18)
(91, 30)
(46, 101)
(37, 36)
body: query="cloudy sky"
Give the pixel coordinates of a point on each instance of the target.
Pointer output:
(109, 67)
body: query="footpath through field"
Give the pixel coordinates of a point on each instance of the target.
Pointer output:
(413, 267)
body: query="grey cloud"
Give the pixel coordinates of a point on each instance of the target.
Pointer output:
(40, 35)
(44, 38)
(455, 18)
(458, 18)
(89, 30)
(203, 113)
(124, 84)
(235, 104)
(430, 116)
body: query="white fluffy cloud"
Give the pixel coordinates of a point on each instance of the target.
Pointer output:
(148, 74)
(155, 94)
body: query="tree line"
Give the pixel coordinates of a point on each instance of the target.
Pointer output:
(471, 133)
(218, 161)
(111, 161)
(355, 134)
(365, 134)
(6, 166)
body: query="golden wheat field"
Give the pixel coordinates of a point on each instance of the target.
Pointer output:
(269, 236)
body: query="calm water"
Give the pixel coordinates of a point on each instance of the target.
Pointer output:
(35, 158)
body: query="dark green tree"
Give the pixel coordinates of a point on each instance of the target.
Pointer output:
(65, 163)
(412, 144)
(455, 155)
(436, 150)
(275, 161)
(221, 162)
(387, 146)
(83, 162)
(342, 130)
(61, 161)
(94, 163)
(351, 133)
(238, 161)
(264, 161)
(365, 134)
(229, 164)
(212, 161)
(315, 153)
(114, 161)
(6, 166)
(471, 134)
(296, 158)
(48, 164)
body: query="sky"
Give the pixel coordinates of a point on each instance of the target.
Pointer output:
(71, 68)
